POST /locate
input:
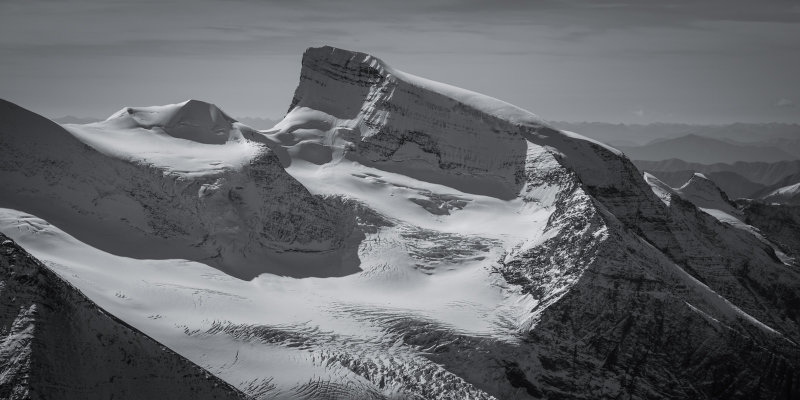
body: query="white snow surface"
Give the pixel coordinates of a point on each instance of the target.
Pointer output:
(179, 302)
(141, 135)
(495, 107)
(789, 194)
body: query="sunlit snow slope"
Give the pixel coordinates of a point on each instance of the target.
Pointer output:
(128, 185)
(485, 253)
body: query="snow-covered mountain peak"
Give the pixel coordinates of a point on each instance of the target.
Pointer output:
(192, 138)
(364, 70)
(192, 120)
(706, 195)
(703, 192)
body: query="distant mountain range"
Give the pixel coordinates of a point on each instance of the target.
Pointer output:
(786, 136)
(740, 179)
(700, 149)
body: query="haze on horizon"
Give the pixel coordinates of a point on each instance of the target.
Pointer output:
(625, 61)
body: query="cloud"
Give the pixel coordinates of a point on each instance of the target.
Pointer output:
(785, 103)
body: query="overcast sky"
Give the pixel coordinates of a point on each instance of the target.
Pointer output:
(608, 60)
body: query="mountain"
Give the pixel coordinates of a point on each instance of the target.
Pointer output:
(784, 191)
(783, 136)
(765, 222)
(705, 193)
(777, 225)
(699, 149)
(757, 172)
(193, 120)
(627, 134)
(178, 181)
(57, 344)
(777, 179)
(493, 256)
(730, 182)
(789, 194)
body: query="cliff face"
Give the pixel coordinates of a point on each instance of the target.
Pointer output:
(400, 127)
(57, 344)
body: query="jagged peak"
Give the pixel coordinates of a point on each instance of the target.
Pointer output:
(330, 54)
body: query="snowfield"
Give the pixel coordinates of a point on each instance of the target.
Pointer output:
(393, 238)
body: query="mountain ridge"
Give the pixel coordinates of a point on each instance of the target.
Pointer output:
(702, 149)
(73, 348)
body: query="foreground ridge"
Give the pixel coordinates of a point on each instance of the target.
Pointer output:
(57, 344)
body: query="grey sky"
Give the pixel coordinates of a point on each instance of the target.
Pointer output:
(607, 60)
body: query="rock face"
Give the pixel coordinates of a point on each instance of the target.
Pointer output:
(228, 213)
(57, 344)
(398, 127)
(625, 318)
(778, 222)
